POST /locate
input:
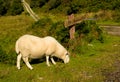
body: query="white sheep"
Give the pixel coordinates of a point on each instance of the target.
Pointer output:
(29, 46)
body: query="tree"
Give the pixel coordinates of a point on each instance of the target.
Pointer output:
(15, 8)
(3, 10)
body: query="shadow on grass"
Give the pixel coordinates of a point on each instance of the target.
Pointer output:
(43, 59)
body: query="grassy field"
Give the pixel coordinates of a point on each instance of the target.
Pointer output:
(99, 58)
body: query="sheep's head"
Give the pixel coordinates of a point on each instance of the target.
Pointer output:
(66, 58)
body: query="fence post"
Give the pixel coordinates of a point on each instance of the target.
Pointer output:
(72, 32)
(71, 19)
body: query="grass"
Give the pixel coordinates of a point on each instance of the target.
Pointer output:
(82, 67)
(85, 67)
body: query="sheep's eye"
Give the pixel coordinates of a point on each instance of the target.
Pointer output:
(67, 54)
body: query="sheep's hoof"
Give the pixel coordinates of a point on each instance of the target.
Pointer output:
(18, 68)
(31, 68)
(48, 65)
(54, 63)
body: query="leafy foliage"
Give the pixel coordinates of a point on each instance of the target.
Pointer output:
(3, 9)
(38, 3)
(90, 30)
(86, 33)
(75, 6)
(15, 8)
(46, 27)
(10, 7)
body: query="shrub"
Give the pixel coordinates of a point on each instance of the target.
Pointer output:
(46, 27)
(7, 49)
(3, 56)
(60, 32)
(3, 10)
(15, 8)
(116, 16)
(86, 32)
(7, 58)
(53, 4)
(41, 27)
(38, 3)
(90, 30)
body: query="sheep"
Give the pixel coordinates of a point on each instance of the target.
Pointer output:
(30, 46)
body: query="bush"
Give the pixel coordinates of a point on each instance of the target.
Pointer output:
(2, 8)
(41, 27)
(90, 30)
(52, 4)
(16, 8)
(46, 27)
(7, 49)
(116, 16)
(10, 7)
(86, 32)
(3, 56)
(38, 3)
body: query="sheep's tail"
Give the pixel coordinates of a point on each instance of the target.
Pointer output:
(16, 48)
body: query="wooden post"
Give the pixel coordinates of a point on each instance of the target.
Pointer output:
(72, 32)
(71, 22)
(71, 19)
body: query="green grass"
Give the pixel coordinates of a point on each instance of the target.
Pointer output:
(86, 67)
(82, 67)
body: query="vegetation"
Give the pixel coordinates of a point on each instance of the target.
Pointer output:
(14, 7)
(94, 54)
(90, 54)
(103, 9)
(11, 7)
(76, 6)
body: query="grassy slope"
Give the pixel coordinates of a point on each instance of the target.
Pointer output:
(82, 67)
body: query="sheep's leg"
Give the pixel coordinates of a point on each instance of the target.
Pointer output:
(27, 62)
(18, 60)
(52, 60)
(47, 61)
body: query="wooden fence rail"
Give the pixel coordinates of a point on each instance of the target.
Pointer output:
(29, 10)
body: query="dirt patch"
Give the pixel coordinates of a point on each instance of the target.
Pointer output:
(112, 74)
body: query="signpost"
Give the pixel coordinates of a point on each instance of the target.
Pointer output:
(71, 22)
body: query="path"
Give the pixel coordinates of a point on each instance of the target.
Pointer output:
(113, 75)
(114, 30)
